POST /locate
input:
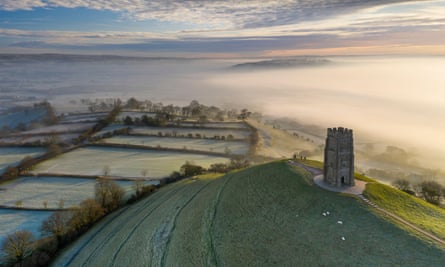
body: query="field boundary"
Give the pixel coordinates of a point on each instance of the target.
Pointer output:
(178, 150)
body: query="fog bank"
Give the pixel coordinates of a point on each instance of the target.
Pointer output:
(396, 100)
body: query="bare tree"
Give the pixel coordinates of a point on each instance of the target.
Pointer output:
(18, 245)
(61, 204)
(57, 224)
(401, 184)
(106, 170)
(108, 194)
(89, 211)
(431, 191)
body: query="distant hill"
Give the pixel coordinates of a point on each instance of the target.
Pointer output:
(268, 215)
(283, 63)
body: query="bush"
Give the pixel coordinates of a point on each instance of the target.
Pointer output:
(431, 191)
(108, 194)
(189, 169)
(18, 246)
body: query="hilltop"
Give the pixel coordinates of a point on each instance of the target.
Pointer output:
(266, 215)
(283, 63)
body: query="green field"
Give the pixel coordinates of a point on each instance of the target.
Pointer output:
(266, 215)
(414, 210)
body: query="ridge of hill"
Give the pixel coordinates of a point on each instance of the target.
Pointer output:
(265, 215)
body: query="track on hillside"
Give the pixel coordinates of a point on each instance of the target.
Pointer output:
(116, 232)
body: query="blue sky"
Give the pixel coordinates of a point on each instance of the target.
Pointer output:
(223, 28)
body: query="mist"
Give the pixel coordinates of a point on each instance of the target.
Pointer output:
(399, 101)
(393, 100)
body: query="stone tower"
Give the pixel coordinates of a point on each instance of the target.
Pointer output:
(339, 157)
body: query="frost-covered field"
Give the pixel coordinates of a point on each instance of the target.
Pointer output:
(135, 114)
(235, 147)
(110, 128)
(13, 155)
(209, 133)
(83, 117)
(122, 162)
(71, 127)
(14, 220)
(34, 191)
(238, 125)
(42, 138)
(12, 120)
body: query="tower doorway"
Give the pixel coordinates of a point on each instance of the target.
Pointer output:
(342, 180)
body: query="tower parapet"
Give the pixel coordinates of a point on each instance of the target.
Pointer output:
(339, 157)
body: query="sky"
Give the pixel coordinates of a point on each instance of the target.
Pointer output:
(229, 28)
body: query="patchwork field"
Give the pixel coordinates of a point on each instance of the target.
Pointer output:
(13, 155)
(71, 127)
(83, 117)
(278, 143)
(268, 215)
(172, 131)
(238, 125)
(14, 220)
(110, 128)
(134, 114)
(12, 120)
(34, 191)
(122, 162)
(42, 138)
(234, 147)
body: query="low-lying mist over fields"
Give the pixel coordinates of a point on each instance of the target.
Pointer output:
(390, 100)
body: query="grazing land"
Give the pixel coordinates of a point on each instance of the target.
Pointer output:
(235, 125)
(33, 192)
(278, 143)
(41, 138)
(207, 133)
(412, 209)
(14, 220)
(13, 155)
(235, 147)
(26, 117)
(262, 216)
(122, 162)
(83, 117)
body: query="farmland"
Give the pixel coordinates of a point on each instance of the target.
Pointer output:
(262, 216)
(72, 127)
(13, 220)
(13, 119)
(177, 131)
(122, 162)
(41, 138)
(34, 191)
(83, 117)
(235, 147)
(13, 155)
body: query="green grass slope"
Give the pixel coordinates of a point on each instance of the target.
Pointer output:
(414, 210)
(267, 215)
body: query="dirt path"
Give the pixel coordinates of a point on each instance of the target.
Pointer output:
(358, 190)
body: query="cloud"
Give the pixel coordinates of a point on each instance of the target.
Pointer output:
(211, 14)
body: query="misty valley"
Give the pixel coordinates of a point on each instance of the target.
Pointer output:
(84, 139)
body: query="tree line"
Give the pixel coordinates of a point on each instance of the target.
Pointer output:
(431, 191)
(22, 248)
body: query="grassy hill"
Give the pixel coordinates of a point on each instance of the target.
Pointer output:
(262, 216)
